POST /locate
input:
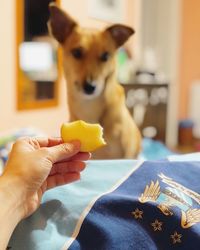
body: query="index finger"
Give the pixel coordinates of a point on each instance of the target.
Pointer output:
(49, 141)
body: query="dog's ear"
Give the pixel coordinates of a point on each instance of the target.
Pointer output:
(60, 24)
(120, 33)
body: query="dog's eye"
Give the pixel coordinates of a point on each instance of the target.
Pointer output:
(77, 53)
(105, 56)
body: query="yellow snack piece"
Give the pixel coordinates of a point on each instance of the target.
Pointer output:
(90, 135)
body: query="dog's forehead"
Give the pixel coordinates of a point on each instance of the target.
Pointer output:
(87, 31)
(88, 38)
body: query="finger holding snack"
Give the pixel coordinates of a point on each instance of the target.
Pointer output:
(36, 165)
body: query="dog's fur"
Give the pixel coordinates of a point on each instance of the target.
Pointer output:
(94, 94)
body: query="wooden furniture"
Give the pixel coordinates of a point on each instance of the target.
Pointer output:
(148, 105)
(35, 89)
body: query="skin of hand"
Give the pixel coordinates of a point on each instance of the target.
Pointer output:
(34, 166)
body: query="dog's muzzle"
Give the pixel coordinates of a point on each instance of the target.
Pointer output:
(89, 88)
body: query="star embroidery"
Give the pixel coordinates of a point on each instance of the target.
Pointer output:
(176, 238)
(137, 213)
(157, 225)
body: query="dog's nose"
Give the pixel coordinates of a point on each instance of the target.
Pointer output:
(88, 88)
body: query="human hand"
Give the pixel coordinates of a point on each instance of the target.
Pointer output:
(36, 165)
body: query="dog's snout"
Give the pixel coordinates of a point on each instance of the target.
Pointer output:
(88, 87)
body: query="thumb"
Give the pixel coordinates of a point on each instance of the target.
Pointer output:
(63, 151)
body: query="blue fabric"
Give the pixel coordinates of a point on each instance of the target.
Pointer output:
(111, 225)
(154, 150)
(185, 157)
(54, 222)
(107, 211)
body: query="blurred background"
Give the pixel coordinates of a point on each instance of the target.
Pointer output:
(159, 67)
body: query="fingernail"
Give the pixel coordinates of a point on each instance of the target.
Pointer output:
(78, 177)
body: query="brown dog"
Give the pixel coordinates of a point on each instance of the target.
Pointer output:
(94, 95)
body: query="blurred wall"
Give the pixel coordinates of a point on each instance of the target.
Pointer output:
(48, 120)
(189, 53)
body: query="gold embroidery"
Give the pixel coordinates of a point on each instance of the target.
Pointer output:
(157, 225)
(137, 214)
(164, 207)
(190, 217)
(174, 196)
(176, 238)
(151, 192)
(180, 187)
